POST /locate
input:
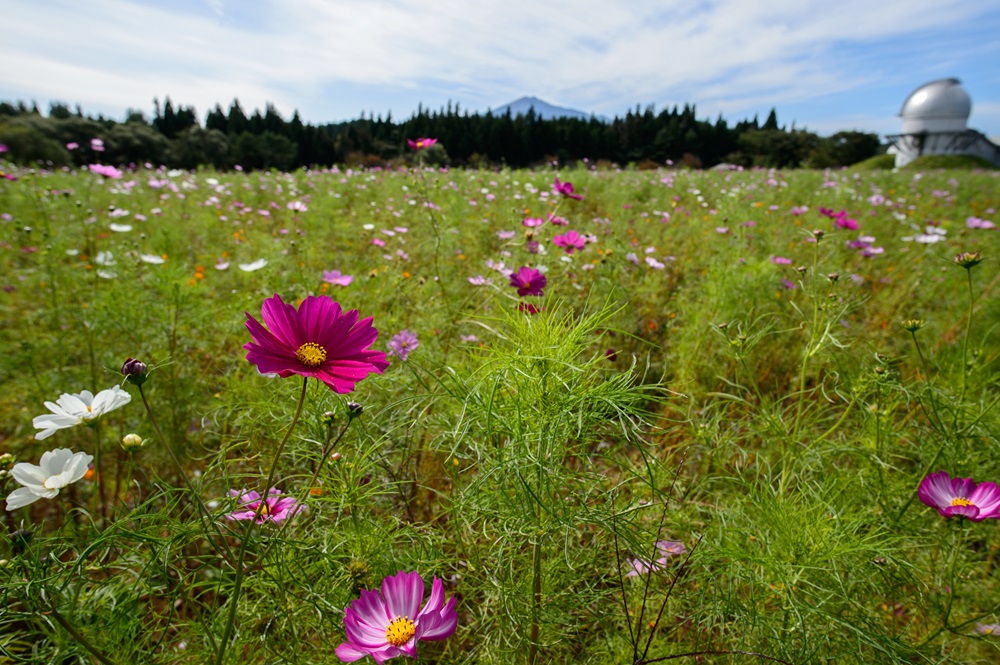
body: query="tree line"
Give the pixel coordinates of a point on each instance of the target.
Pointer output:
(175, 138)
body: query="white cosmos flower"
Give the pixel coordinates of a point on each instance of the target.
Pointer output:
(58, 468)
(71, 410)
(120, 228)
(104, 259)
(152, 258)
(256, 265)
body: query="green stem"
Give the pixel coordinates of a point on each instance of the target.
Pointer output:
(99, 497)
(238, 582)
(202, 509)
(84, 642)
(965, 345)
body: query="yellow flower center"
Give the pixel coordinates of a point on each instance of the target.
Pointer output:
(959, 501)
(311, 354)
(399, 631)
(264, 510)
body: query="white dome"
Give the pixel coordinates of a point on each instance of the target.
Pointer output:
(938, 106)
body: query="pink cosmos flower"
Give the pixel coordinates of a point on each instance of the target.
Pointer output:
(531, 222)
(570, 241)
(97, 145)
(988, 628)
(528, 281)
(389, 623)
(106, 171)
(977, 223)
(402, 343)
(336, 278)
(558, 221)
(528, 308)
(72, 145)
(960, 496)
(665, 548)
(420, 144)
(275, 509)
(318, 340)
(566, 189)
(780, 260)
(3, 148)
(842, 221)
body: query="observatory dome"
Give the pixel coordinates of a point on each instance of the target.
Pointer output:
(938, 106)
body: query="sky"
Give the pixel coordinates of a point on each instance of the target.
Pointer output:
(824, 66)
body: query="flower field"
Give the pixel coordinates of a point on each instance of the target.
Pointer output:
(584, 415)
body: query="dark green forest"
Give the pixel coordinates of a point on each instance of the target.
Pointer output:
(174, 137)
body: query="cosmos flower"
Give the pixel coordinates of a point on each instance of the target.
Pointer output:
(780, 261)
(532, 222)
(566, 189)
(106, 171)
(960, 496)
(336, 278)
(254, 266)
(665, 548)
(988, 628)
(317, 340)
(421, 143)
(275, 509)
(528, 281)
(389, 623)
(97, 145)
(71, 410)
(72, 145)
(402, 343)
(57, 469)
(570, 241)
(152, 258)
(977, 223)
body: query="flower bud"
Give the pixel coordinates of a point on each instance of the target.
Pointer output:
(135, 371)
(132, 443)
(833, 277)
(6, 461)
(968, 259)
(329, 418)
(354, 410)
(913, 325)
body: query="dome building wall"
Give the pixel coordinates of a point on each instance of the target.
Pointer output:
(935, 122)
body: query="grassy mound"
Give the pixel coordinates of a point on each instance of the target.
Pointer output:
(876, 163)
(948, 162)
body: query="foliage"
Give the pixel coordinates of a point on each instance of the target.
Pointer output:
(707, 370)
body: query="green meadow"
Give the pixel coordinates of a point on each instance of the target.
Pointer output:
(758, 368)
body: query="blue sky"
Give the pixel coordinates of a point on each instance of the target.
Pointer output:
(826, 66)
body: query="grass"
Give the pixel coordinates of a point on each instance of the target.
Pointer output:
(703, 371)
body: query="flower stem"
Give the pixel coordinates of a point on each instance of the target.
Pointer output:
(968, 331)
(84, 642)
(100, 497)
(202, 509)
(238, 581)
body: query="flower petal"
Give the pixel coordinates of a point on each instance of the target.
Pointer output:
(21, 497)
(403, 593)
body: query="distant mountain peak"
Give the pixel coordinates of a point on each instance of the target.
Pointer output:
(543, 109)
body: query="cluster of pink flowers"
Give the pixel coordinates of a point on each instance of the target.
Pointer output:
(840, 219)
(570, 241)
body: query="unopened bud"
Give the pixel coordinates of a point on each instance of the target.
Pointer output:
(132, 443)
(329, 418)
(354, 410)
(833, 277)
(135, 371)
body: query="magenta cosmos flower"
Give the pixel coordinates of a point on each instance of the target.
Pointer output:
(566, 189)
(275, 509)
(389, 624)
(960, 496)
(337, 278)
(528, 281)
(570, 241)
(420, 144)
(318, 340)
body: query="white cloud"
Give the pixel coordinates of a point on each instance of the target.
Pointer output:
(599, 56)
